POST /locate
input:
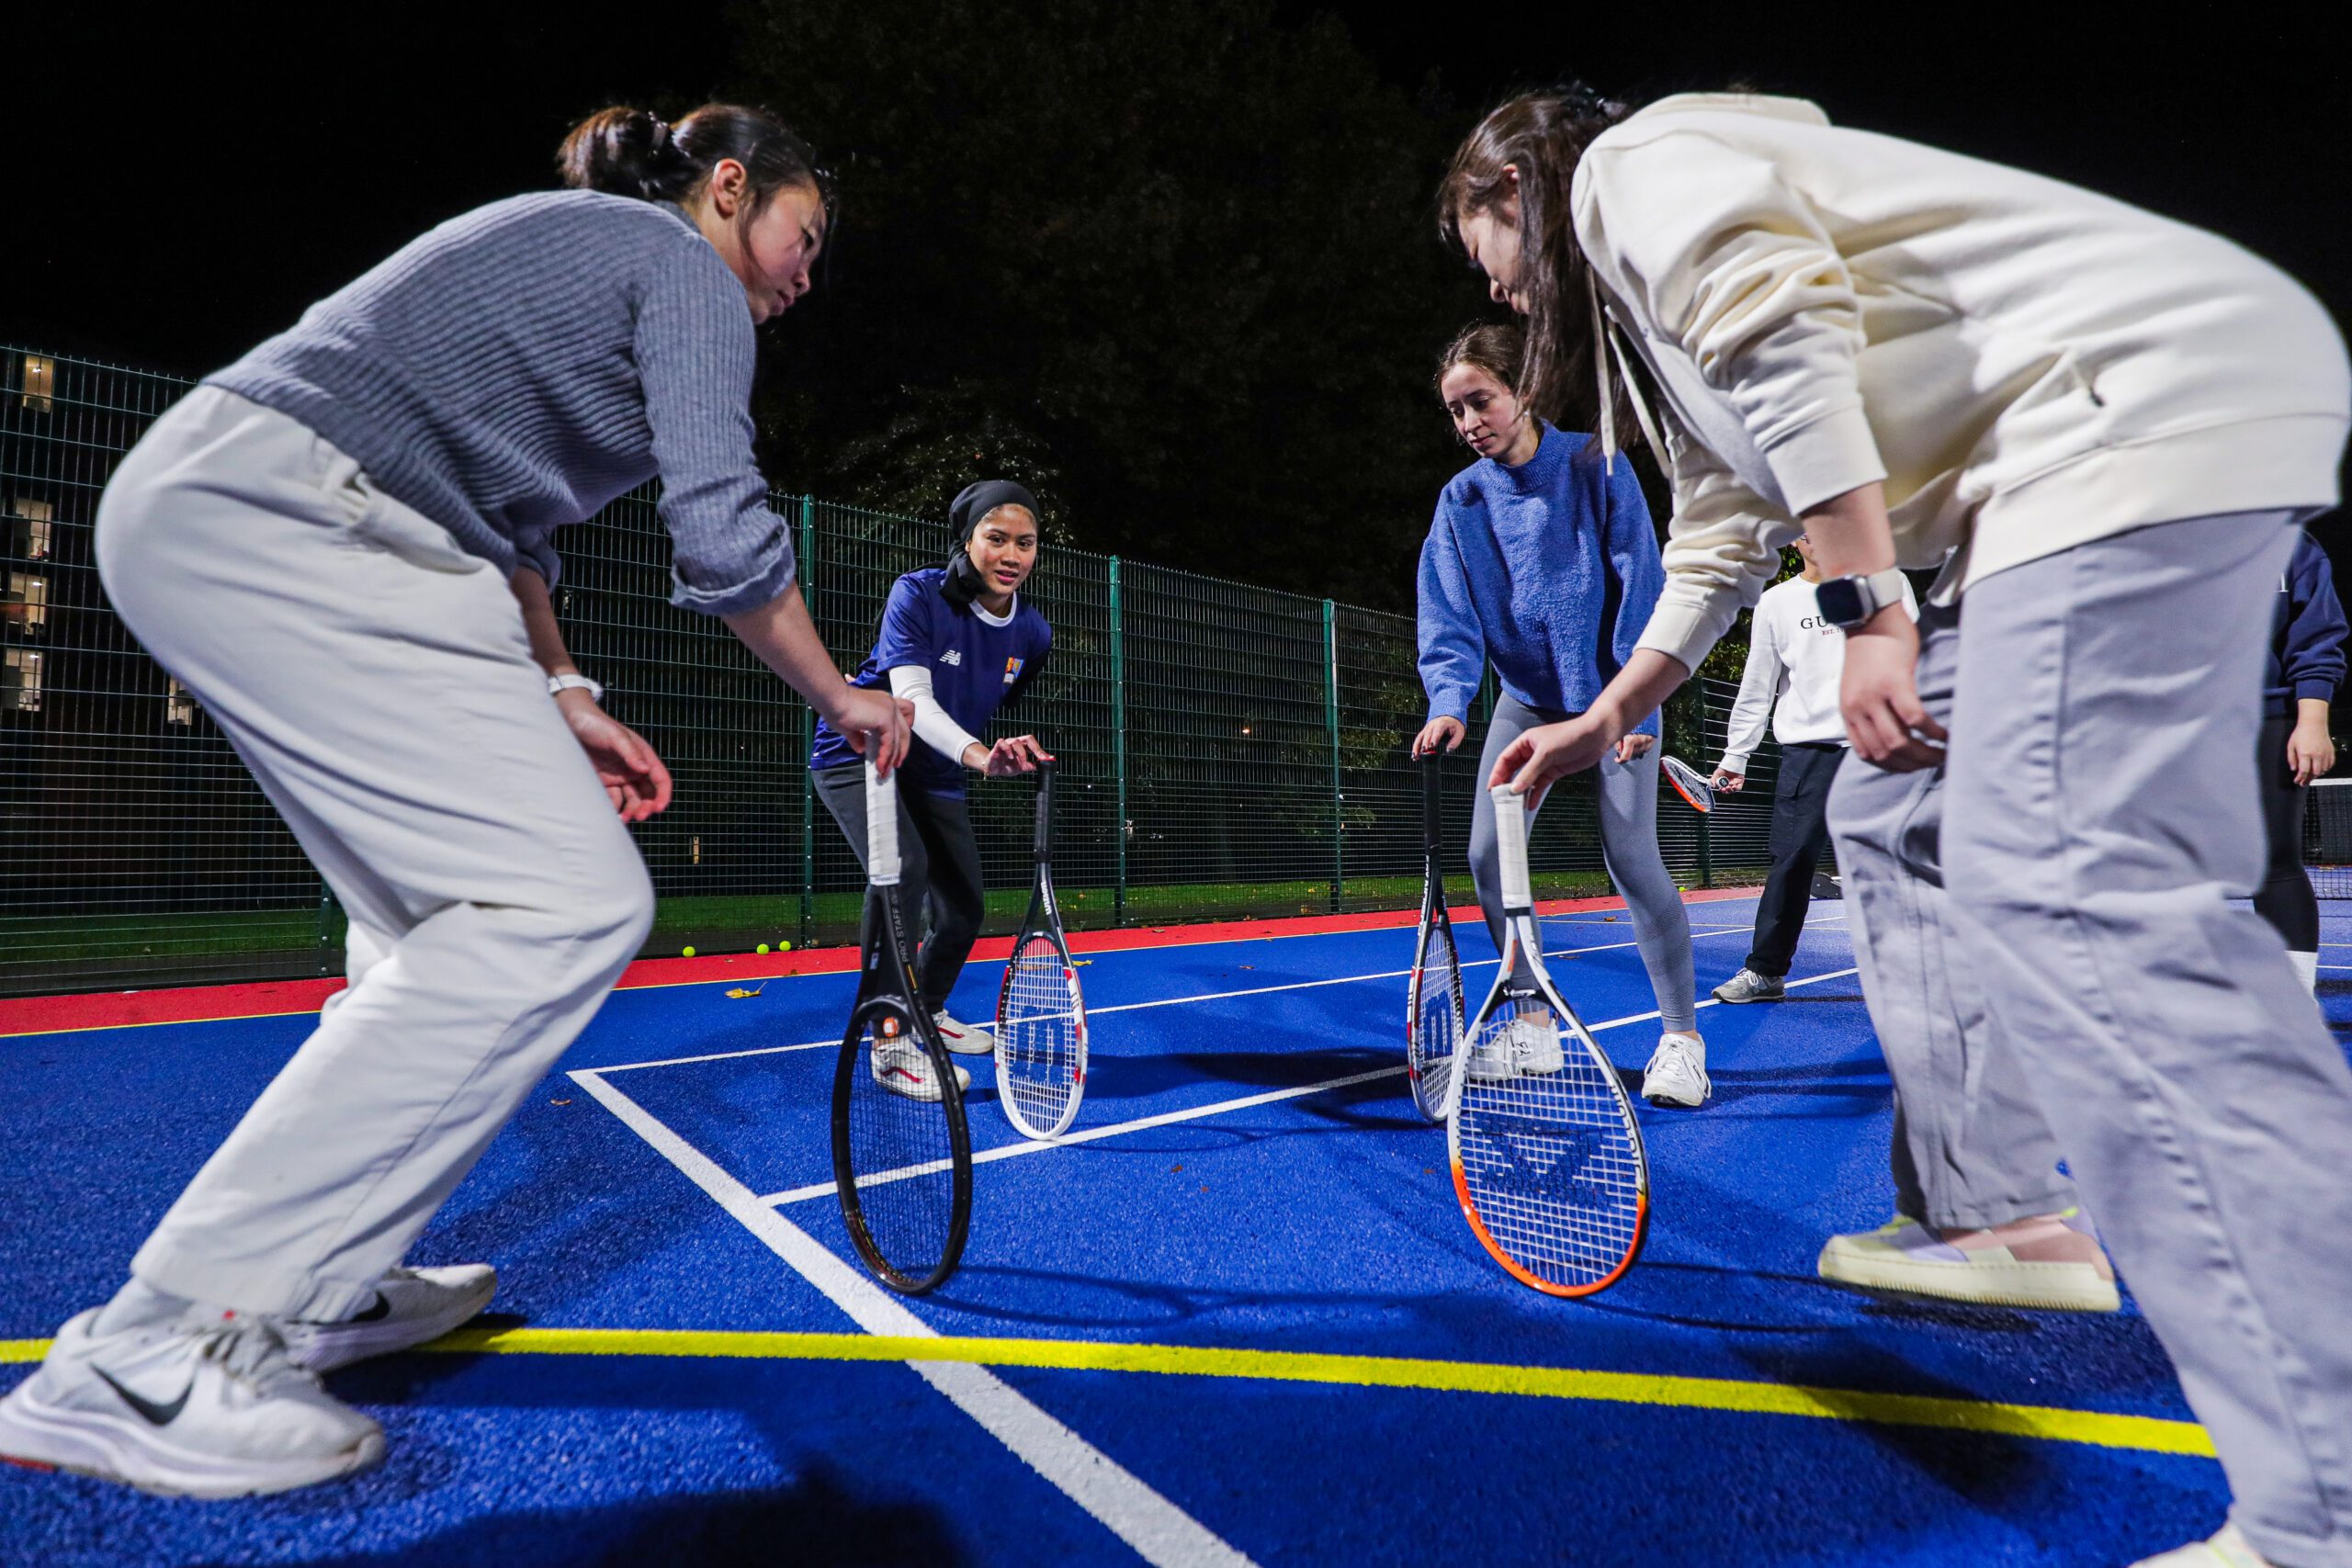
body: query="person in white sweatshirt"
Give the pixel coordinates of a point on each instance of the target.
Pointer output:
(1794, 660)
(2105, 427)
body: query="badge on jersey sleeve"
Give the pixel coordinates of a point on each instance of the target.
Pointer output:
(1012, 671)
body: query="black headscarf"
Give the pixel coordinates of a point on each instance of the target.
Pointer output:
(962, 583)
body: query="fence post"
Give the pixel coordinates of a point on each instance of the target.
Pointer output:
(1332, 724)
(1119, 746)
(326, 926)
(808, 743)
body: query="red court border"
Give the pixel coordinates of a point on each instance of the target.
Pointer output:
(278, 999)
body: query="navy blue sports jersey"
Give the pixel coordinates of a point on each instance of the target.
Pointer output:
(974, 666)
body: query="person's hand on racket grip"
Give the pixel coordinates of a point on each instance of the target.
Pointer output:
(1441, 734)
(1550, 752)
(633, 778)
(875, 724)
(1727, 781)
(1885, 722)
(1010, 757)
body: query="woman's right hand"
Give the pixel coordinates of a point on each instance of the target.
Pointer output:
(1880, 695)
(1438, 733)
(1013, 756)
(1728, 782)
(875, 724)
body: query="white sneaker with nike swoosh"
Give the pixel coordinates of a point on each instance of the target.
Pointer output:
(964, 1039)
(412, 1307)
(200, 1405)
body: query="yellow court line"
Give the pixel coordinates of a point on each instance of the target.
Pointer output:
(2153, 1434)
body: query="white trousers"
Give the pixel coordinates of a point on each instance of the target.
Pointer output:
(378, 683)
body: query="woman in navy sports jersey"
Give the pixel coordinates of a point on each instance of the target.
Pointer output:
(958, 643)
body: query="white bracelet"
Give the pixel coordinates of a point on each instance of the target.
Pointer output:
(559, 683)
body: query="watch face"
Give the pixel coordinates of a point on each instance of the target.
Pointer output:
(1841, 601)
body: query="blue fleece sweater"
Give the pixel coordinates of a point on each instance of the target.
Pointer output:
(2307, 633)
(1549, 569)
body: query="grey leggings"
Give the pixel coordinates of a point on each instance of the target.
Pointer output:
(1628, 797)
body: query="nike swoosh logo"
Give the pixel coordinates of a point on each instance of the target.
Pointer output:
(377, 1312)
(155, 1415)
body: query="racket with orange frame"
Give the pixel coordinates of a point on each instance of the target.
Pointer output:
(1546, 1155)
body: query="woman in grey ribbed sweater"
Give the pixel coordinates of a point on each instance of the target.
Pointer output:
(341, 544)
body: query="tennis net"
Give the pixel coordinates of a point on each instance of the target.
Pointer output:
(2327, 836)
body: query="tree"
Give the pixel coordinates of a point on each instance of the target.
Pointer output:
(1179, 258)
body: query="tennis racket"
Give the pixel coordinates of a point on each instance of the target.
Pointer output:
(1433, 1010)
(1040, 1017)
(902, 1155)
(1548, 1158)
(1688, 782)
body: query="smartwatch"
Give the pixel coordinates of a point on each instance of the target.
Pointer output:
(1846, 602)
(558, 683)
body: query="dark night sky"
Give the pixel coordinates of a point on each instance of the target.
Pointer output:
(178, 192)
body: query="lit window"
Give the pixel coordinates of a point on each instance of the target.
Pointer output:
(30, 536)
(20, 680)
(40, 381)
(179, 708)
(26, 604)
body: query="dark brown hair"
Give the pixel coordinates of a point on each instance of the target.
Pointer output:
(1542, 135)
(1498, 348)
(629, 151)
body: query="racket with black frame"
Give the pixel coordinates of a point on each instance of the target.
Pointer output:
(1433, 1008)
(1546, 1155)
(902, 1153)
(1040, 1016)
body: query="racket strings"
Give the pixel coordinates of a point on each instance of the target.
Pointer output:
(1549, 1161)
(1435, 1023)
(901, 1152)
(1041, 1062)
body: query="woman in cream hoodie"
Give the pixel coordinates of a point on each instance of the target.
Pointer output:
(2103, 428)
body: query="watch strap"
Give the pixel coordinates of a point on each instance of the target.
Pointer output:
(575, 682)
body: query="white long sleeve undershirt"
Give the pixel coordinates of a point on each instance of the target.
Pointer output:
(933, 728)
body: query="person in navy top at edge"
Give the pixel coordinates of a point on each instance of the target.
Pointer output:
(958, 642)
(2306, 665)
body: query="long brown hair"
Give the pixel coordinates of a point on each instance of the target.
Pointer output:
(1542, 135)
(1498, 348)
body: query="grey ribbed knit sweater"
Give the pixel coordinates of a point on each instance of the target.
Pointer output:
(518, 368)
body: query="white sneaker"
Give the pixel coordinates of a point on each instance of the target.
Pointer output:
(964, 1039)
(2227, 1549)
(904, 1068)
(1536, 1043)
(412, 1307)
(2047, 1260)
(1677, 1072)
(196, 1406)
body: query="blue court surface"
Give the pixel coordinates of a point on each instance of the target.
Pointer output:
(1236, 1316)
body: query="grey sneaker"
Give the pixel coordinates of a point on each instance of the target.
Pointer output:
(412, 1307)
(1747, 985)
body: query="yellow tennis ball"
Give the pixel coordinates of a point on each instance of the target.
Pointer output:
(783, 947)
(689, 952)
(763, 947)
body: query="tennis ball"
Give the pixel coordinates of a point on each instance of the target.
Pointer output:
(688, 953)
(763, 947)
(783, 947)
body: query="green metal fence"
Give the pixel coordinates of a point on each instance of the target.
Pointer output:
(1225, 750)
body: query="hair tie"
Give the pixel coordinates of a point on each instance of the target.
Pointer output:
(660, 133)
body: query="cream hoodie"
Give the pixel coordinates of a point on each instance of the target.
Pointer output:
(2028, 365)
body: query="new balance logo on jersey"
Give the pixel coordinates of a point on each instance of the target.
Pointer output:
(953, 655)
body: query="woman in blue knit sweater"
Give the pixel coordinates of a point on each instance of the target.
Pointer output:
(1546, 566)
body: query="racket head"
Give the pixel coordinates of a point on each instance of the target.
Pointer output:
(1548, 1160)
(1688, 783)
(1040, 1037)
(903, 1167)
(1433, 1021)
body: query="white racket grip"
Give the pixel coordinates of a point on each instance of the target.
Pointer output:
(881, 829)
(1510, 847)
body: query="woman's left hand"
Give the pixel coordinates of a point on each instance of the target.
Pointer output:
(1632, 745)
(1014, 755)
(633, 776)
(2310, 752)
(1549, 751)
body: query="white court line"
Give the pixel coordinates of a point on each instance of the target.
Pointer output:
(1167, 1001)
(1160, 1532)
(1013, 1151)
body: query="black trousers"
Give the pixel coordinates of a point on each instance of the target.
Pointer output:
(2285, 898)
(939, 870)
(1800, 832)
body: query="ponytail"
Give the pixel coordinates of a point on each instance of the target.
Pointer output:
(631, 152)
